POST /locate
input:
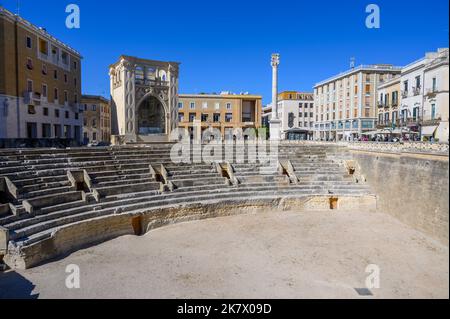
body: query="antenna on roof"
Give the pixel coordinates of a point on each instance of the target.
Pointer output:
(18, 7)
(352, 62)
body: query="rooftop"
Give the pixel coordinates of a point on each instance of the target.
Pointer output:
(224, 94)
(370, 68)
(39, 30)
(94, 97)
(142, 60)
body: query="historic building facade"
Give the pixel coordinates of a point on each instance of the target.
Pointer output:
(144, 99)
(96, 119)
(296, 113)
(345, 105)
(388, 104)
(225, 112)
(40, 83)
(424, 107)
(436, 99)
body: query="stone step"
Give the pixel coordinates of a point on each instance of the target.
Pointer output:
(34, 233)
(193, 175)
(199, 181)
(25, 225)
(124, 182)
(45, 192)
(37, 180)
(44, 186)
(120, 189)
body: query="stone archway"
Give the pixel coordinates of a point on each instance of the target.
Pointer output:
(151, 116)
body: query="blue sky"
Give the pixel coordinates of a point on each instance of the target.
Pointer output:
(226, 45)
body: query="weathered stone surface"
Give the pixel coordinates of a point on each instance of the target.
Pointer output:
(412, 187)
(77, 235)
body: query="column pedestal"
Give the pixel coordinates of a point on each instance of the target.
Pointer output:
(275, 130)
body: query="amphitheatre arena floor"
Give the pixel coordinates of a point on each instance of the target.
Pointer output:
(270, 255)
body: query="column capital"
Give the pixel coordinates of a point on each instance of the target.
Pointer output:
(275, 60)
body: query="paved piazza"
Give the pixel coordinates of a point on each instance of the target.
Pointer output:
(270, 255)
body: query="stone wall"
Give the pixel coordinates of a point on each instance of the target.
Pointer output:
(411, 187)
(67, 239)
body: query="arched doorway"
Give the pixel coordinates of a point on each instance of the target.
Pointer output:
(151, 117)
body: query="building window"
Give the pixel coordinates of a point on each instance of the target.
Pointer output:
(94, 136)
(46, 130)
(434, 85)
(31, 130)
(44, 90)
(75, 98)
(216, 117)
(66, 97)
(94, 123)
(45, 111)
(433, 111)
(55, 74)
(29, 64)
(65, 58)
(192, 105)
(228, 106)
(94, 107)
(205, 105)
(228, 117)
(191, 117)
(57, 129)
(56, 113)
(29, 43)
(30, 85)
(75, 82)
(180, 105)
(418, 85)
(75, 65)
(67, 114)
(180, 117)
(56, 94)
(77, 116)
(31, 109)
(217, 106)
(204, 117)
(44, 69)
(65, 78)
(43, 47)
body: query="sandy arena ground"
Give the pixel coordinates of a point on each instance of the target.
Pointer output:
(274, 255)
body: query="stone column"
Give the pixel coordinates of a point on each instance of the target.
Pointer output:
(275, 123)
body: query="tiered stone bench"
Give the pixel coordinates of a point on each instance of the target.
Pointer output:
(54, 201)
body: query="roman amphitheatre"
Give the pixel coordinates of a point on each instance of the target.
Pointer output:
(139, 225)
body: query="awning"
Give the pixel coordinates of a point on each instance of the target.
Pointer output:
(298, 130)
(428, 130)
(378, 132)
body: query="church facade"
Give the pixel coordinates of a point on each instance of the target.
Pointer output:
(144, 99)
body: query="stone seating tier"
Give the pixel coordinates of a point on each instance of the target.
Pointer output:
(134, 180)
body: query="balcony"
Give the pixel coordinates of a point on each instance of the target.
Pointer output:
(405, 94)
(381, 104)
(417, 90)
(383, 125)
(32, 98)
(394, 103)
(152, 82)
(431, 93)
(432, 122)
